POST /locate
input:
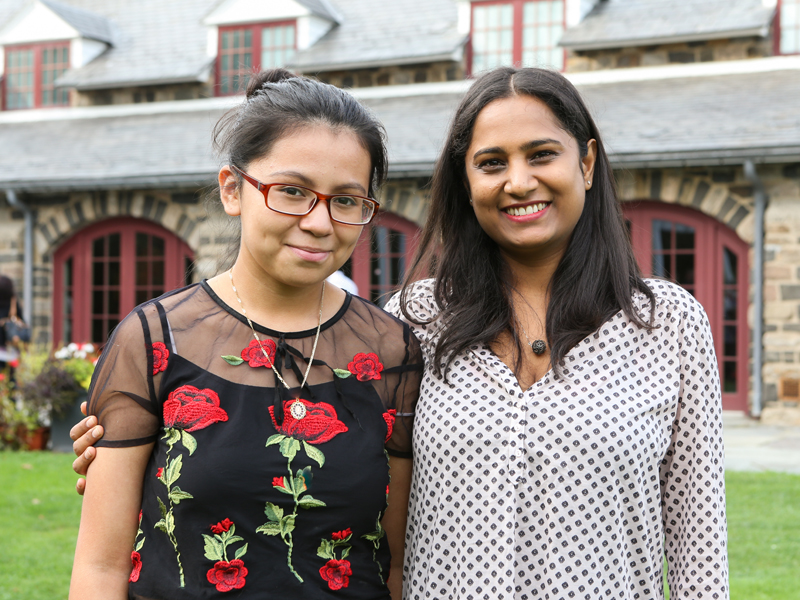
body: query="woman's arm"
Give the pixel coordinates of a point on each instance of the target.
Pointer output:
(394, 520)
(109, 520)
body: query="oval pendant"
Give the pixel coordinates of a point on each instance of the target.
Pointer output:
(297, 410)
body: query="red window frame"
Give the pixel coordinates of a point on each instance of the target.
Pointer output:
(711, 237)
(255, 47)
(367, 256)
(779, 28)
(39, 85)
(74, 314)
(517, 29)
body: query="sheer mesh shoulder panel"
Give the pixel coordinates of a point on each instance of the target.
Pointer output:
(122, 394)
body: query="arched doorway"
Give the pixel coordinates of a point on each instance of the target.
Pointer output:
(710, 261)
(105, 270)
(382, 255)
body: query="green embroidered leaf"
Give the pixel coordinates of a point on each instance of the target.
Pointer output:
(161, 525)
(172, 435)
(309, 502)
(269, 529)
(286, 488)
(139, 545)
(314, 453)
(161, 507)
(213, 548)
(345, 553)
(173, 471)
(373, 537)
(289, 447)
(176, 494)
(343, 373)
(274, 513)
(188, 442)
(234, 539)
(275, 439)
(241, 552)
(325, 550)
(287, 525)
(233, 360)
(170, 519)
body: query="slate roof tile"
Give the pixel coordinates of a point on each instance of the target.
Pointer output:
(619, 23)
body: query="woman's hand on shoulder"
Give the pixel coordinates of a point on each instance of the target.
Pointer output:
(84, 436)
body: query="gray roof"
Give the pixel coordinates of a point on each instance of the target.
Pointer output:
(157, 42)
(622, 23)
(389, 33)
(686, 120)
(322, 8)
(89, 25)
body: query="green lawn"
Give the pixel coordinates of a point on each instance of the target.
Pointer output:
(39, 513)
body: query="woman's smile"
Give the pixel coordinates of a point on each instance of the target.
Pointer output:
(522, 213)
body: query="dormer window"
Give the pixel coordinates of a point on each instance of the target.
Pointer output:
(30, 75)
(789, 25)
(241, 48)
(517, 32)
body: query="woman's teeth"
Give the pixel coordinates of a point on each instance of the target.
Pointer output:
(526, 210)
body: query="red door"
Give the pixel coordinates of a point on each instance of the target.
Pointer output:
(104, 271)
(710, 261)
(382, 255)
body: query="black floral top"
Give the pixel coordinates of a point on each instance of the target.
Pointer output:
(252, 490)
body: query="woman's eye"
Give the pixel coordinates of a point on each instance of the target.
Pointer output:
(345, 201)
(291, 191)
(492, 163)
(543, 155)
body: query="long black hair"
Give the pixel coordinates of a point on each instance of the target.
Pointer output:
(473, 289)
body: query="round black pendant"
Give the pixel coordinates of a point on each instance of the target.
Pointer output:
(538, 347)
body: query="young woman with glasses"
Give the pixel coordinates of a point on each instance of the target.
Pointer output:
(252, 421)
(568, 432)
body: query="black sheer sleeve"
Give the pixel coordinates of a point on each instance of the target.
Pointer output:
(123, 390)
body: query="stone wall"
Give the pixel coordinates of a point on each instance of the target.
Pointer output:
(135, 95)
(651, 56)
(782, 284)
(394, 75)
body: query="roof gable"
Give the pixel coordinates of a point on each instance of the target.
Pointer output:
(36, 22)
(257, 11)
(90, 25)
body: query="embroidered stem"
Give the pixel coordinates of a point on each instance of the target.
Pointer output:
(290, 542)
(171, 529)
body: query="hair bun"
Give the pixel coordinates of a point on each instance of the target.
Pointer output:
(258, 80)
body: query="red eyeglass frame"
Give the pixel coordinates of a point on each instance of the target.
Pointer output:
(264, 189)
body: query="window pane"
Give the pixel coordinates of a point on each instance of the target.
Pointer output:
(729, 262)
(113, 244)
(141, 244)
(729, 340)
(684, 269)
(730, 305)
(729, 376)
(684, 237)
(98, 273)
(543, 25)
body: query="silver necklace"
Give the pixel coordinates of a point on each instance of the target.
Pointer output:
(297, 409)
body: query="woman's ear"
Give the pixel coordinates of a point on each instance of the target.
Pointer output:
(229, 192)
(588, 161)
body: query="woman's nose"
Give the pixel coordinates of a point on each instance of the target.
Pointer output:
(318, 221)
(521, 180)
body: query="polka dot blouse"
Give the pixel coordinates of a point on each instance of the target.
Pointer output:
(578, 486)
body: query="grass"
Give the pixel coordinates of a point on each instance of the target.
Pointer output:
(39, 514)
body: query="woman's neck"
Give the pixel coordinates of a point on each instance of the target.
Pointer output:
(275, 305)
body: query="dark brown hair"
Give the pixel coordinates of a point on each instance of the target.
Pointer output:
(597, 274)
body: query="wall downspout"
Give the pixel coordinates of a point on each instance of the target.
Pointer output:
(760, 198)
(27, 270)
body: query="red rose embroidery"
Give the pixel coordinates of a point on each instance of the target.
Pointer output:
(278, 482)
(227, 576)
(222, 526)
(254, 355)
(340, 535)
(389, 416)
(366, 366)
(387, 490)
(136, 562)
(191, 409)
(319, 425)
(160, 357)
(336, 573)
(159, 473)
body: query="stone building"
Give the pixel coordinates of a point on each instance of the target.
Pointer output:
(107, 109)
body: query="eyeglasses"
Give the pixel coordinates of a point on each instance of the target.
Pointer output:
(298, 201)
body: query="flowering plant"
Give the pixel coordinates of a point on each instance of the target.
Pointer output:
(52, 382)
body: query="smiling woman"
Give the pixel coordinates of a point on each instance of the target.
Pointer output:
(252, 421)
